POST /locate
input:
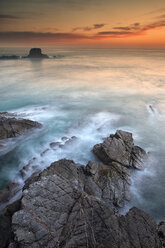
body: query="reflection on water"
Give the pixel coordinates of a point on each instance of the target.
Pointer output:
(89, 94)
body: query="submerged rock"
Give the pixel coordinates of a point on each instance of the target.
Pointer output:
(36, 53)
(11, 127)
(120, 148)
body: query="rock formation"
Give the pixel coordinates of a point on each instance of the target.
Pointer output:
(69, 205)
(36, 53)
(11, 127)
(8, 57)
(120, 148)
(62, 208)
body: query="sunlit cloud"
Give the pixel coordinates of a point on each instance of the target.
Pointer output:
(89, 28)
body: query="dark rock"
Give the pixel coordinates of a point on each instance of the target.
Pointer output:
(36, 53)
(139, 230)
(120, 148)
(69, 205)
(7, 193)
(161, 232)
(57, 211)
(109, 183)
(12, 127)
(6, 234)
(70, 140)
(8, 57)
(64, 138)
(44, 152)
(54, 144)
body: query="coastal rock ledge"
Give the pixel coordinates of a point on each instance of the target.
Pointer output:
(69, 205)
(11, 127)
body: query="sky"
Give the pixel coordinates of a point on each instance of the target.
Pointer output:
(115, 23)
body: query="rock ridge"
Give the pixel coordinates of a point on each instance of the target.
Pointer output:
(11, 127)
(69, 205)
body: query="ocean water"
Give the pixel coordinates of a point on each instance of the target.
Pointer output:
(88, 93)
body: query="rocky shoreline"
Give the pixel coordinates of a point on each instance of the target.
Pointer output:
(72, 205)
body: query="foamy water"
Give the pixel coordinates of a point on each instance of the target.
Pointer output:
(88, 93)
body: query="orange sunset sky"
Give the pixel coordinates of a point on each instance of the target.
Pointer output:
(121, 23)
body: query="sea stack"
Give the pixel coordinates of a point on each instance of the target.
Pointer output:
(36, 53)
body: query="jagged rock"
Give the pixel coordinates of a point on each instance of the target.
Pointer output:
(109, 183)
(36, 53)
(139, 230)
(12, 127)
(120, 148)
(69, 205)
(57, 211)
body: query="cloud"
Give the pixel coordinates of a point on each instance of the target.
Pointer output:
(133, 26)
(155, 11)
(114, 34)
(34, 36)
(122, 28)
(154, 25)
(160, 17)
(2, 16)
(134, 29)
(136, 24)
(95, 26)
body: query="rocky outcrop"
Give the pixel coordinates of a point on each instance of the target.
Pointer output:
(70, 205)
(58, 210)
(11, 127)
(36, 53)
(120, 148)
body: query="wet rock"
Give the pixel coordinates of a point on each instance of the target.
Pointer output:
(64, 138)
(70, 140)
(44, 152)
(120, 148)
(54, 144)
(12, 127)
(36, 53)
(58, 211)
(7, 193)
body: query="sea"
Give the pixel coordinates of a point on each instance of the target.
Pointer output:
(88, 93)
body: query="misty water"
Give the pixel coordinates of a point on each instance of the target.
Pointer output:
(88, 93)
